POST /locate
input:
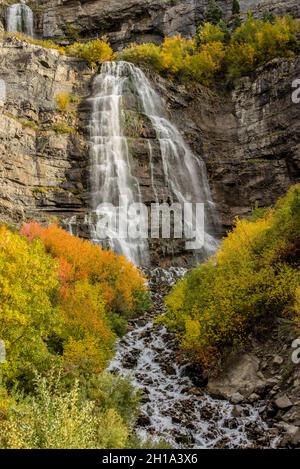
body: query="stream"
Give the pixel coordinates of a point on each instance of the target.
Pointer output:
(174, 409)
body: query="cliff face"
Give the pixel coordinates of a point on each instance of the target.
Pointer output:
(126, 21)
(42, 169)
(249, 138)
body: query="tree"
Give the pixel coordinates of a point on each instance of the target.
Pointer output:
(236, 9)
(213, 13)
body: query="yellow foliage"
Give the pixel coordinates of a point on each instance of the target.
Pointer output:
(63, 101)
(210, 33)
(213, 52)
(95, 52)
(45, 43)
(253, 277)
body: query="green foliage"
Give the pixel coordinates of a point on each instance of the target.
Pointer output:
(269, 16)
(213, 13)
(56, 418)
(254, 277)
(210, 33)
(62, 300)
(29, 288)
(114, 392)
(256, 42)
(236, 9)
(95, 52)
(214, 53)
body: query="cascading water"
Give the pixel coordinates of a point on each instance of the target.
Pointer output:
(113, 178)
(173, 409)
(19, 18)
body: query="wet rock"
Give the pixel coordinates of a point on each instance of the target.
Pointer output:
(278, 360)
(283, 402)
(196, 374)
(241, 377)
(237, 398)
(254, 397)
(143, 421)
(291, 436)
(237, 411)
(130, 361)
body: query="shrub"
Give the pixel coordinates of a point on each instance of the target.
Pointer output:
(94, 52)
(265, 39)
(63, 101)
(29, 311)
(252, 278)
(210, 33)
(204, 65)
(236, 9)
(143, 54)
(213, 53)
(213, 13)
(55, 418)
(96, 288)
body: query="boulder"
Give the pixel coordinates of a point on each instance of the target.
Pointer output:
(240, 377)
(283, 402)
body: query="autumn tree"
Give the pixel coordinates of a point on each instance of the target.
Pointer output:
(213, 13)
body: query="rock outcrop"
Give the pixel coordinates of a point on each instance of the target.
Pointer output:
(126, 21)
(43, 155)
(266, 375)
(249, 138)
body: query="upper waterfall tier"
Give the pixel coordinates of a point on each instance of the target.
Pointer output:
(131, 140)
(19, 18)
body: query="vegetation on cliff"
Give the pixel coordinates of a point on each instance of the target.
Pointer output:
(217, 52)
(63, 303)
(254, 277)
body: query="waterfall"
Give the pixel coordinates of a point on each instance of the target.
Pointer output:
(113, 175)
(19, 18)
(112, 179)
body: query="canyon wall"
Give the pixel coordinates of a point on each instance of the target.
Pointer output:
(249, 137)
(126, 21)
(42, 151)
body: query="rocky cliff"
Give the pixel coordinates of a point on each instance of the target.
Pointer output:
(43, 156)
(249, 137)
(125, 21)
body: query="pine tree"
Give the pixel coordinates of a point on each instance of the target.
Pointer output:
(236, 9)
(213, 13)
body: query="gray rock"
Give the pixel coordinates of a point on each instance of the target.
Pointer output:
(254, 397)
(240, 377)
(237, 398)
(278, 360)
(237, 411)
(283, 402)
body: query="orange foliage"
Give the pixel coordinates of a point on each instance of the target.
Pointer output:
(121, 283)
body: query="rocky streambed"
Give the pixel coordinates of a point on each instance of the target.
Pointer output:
(175, 407)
